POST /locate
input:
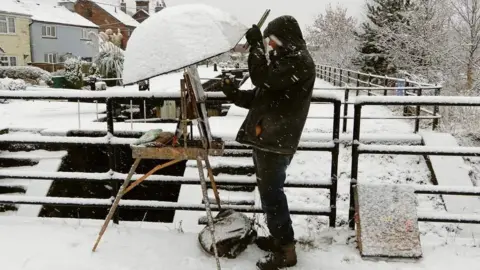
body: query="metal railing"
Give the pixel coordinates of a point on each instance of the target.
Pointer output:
(350, 80)
(112, 142)
(358, 148)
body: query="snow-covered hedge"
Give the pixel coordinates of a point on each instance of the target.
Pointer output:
(32, 75)
(73, 72)
(12, 84)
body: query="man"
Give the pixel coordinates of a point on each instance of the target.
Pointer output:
(278, 108)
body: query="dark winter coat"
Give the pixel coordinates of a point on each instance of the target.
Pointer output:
(280, 102)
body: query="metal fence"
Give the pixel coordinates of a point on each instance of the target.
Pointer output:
(376, 85)
(358, 148)
(111, 142)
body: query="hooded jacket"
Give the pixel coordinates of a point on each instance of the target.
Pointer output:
(280, 101)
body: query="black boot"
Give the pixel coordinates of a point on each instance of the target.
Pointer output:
(267, 243)
(284, 257)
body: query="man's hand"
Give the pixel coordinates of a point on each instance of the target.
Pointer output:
(254, 36)
(228, 86)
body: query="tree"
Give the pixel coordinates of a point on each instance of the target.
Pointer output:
(422, 44)
(331, 37)
(381, 14)
(467, 25)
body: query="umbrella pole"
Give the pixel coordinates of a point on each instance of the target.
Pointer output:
(259, 24)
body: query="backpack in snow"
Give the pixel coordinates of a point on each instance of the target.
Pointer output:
(233, 233)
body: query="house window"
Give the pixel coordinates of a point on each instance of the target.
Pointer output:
(87, 59)
(49, 31)
(7, 25)
(50, 58)
(85, 33)
(8, 61)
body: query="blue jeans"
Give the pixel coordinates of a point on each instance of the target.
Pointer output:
(271, 169)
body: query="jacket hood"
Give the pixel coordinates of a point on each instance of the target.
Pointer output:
(287, 30)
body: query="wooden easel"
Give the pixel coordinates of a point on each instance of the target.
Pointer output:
(192, 107)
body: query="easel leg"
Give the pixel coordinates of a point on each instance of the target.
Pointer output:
(117, 201)
(207, 206)
(152, 171)
(124, 190)
(212, 182)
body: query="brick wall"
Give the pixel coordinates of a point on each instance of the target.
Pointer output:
(103, 19)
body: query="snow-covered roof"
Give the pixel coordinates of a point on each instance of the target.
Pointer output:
(115, 11)
(41, 11)
(141, 11)
(13, 7)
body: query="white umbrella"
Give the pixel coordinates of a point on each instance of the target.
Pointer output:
(177, 37)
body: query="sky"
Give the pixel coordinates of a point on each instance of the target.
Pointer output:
(250, 11)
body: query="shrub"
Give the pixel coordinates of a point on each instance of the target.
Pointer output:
(73, 73)
(31, 75)
(12, 84)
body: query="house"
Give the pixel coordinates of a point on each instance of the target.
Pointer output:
(57, 33)
(142, 9)
(14, 35)
(107, 15)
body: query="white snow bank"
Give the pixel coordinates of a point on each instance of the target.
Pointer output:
(53, 244)
(177, 37)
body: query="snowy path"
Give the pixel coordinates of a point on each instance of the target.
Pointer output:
(36, 244)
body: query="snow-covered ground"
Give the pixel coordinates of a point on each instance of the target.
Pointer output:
(39, 244)
(66, 244)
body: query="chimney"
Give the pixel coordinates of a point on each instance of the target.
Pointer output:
(123, 6)
(67, 4)
(158, 7)
(142, 4)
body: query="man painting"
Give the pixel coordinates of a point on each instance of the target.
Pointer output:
(278, 108)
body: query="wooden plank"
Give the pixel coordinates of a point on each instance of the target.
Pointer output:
(452, 171)
(188, 153)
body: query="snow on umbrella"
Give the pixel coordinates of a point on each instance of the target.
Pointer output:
(177, 37)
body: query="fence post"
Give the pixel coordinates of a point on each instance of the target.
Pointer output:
(334, 167)
(435, 111)
(354, 170)
(341, 77)
(358, 84)
(345, 110)
(334, 76)
(369, 84)
(329, 74)
(385, 83)
(111, 152)
(348, 77)
(417, 120)
(405, 107)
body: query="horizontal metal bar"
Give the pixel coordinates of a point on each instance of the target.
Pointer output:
(378, 118)
(419, 150)
(449, 218)
(372, 75)
(111, 140)
(303, 146)
(186, 180)
(62, 94)
(146, 205)
(419, 100)
(447, 190)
